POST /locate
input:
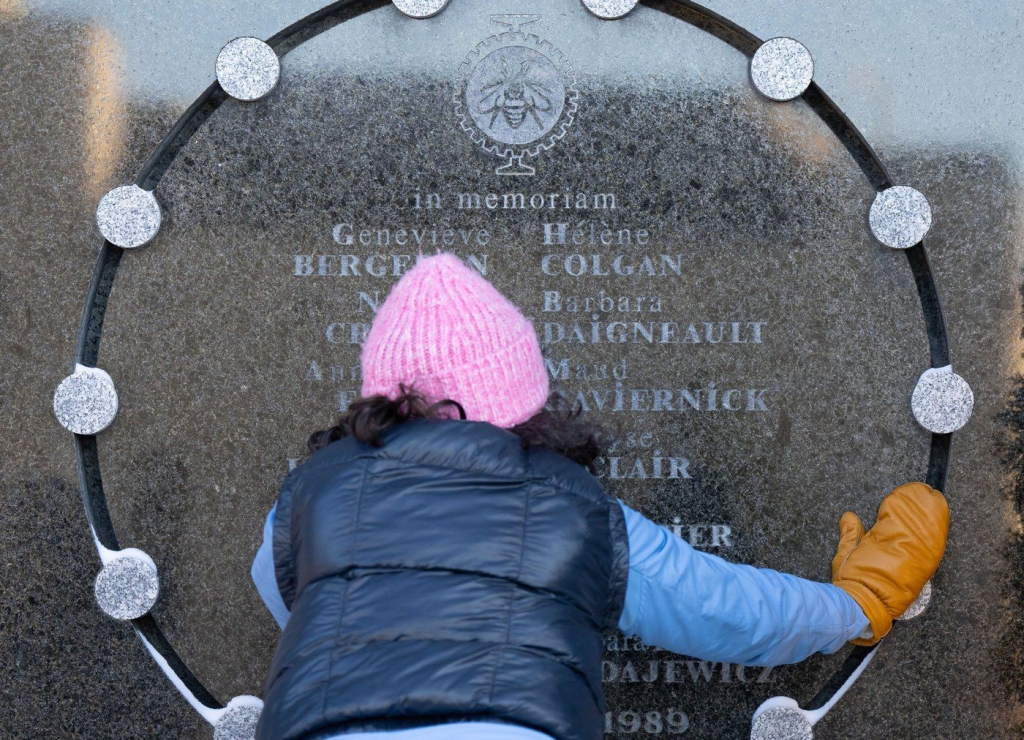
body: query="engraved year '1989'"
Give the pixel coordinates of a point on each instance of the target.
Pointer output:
(629, 721)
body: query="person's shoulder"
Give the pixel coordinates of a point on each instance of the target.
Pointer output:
(340, 451)
(474, 447)
(467, 445)
(430, 441)
(483, 448)
(551, 465)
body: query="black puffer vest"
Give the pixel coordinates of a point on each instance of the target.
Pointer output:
(449, 575)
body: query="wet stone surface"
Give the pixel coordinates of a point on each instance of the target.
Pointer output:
(647, 246)
(698, 258)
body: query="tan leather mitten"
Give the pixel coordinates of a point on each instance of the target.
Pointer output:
(885, 569)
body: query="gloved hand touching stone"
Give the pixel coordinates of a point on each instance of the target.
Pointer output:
(885, 568)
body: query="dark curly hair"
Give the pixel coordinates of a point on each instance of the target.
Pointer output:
(557, 425)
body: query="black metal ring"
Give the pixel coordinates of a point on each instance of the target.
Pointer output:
(333, 15)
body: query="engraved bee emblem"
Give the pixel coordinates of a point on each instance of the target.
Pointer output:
(522, 91)
(516, 95)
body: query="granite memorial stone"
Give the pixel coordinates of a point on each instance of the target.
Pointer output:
(718, 266)
(127, 587)
(85, 402)
(128, 216)
(704, 330)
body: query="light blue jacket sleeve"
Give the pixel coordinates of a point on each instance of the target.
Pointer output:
(263, 573)
(700, 605)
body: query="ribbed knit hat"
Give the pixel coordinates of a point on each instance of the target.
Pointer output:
(445, 328)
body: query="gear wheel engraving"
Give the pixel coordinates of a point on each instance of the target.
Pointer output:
(516, 95)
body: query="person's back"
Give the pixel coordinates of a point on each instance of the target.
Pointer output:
(444, 574)
(448, 579)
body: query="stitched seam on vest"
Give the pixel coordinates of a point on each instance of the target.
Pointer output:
(556, 479)
(586, 496)
(385, 570)
(495, 645)
(544, 655)
(336, 461)
(619, 566)
(283, 519)
(560, 482)
(512, 591)
(598, 700)
(559, 479)
(498, 647)
(344, 594)
(488, 710)
(612, 571)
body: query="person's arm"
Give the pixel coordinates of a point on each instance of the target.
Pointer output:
(263, 573)
(698, 604)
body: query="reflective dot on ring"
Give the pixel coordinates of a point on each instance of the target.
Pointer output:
(128, 216)
(918, 605)
(782, 68)
(239, 720)
(942, 401)
(610, 9)
(420, 9)
(781, 723)
(127, 587)
(900, 217)
(247, 68)
(85, 402)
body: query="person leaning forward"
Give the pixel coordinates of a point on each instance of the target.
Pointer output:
(445, 563)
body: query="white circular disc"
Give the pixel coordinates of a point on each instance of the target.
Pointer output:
(610, 9)
(781, 723)
(942, 401)
(420, 8)
(782, 68)
(238, 722)
(900, 217)
(247, 68)
(127, 587)
(85, 402)
(128, 216)
(918, 605)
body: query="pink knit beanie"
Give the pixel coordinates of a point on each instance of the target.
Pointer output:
(445, 328)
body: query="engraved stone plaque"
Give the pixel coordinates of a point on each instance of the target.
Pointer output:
(697, 256)
(619, 199)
